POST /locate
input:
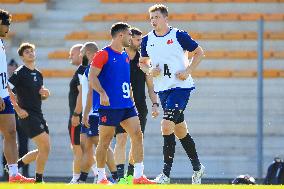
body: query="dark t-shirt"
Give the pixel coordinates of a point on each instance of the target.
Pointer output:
(27, 84)
(137, 79)
(74, 83)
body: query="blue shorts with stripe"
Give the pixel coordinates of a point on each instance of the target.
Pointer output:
(176, 98)
(8, 106)
(113, 117)
(93, 130)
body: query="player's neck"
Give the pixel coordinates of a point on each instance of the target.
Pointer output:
(162, 31)
(30, 65)
(131, 52)
(116, 46)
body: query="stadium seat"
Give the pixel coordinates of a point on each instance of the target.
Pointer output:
(220, 73)
(57, 73)
(278, 54)
(200, 73)
(273, 17)
(10, 1)
(205, 17)
(99, 36)
(215, 54)
(243, 73)
(116, 17)
(210, 36)
(34, 1)
(271, 73)
(228, 16)
(138, 17)
(250, 16)
(182, 17)
(93, 17)
(276, 35)
(59, 54)
(233, 36)
(77, 35)
(21, 17)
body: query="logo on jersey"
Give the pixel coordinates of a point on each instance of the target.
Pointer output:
(170, 41)
(104, 119)
(152, 45)
(127, 60)
(35, 79)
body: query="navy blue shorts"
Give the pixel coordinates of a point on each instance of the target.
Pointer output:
(174, 98)
(113, 117)
(93, 130)
(8, 106)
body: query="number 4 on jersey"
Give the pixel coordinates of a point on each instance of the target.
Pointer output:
(167, 71)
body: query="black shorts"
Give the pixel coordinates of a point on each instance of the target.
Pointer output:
(33, 125)
(142, 114)
(74, 132)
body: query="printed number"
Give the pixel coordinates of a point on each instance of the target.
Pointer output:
(4, 80)
(126, 90)
(167, 71)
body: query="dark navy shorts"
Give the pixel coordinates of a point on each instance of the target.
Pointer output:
(175, 98)
(93, 130)
(8, 106)
(113, 117)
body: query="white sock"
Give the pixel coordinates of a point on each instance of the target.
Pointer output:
(101, 174)
(138, 170)
(75, 176)
(95, 169)
(13, 169)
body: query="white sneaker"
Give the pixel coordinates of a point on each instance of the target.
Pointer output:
(162, 179)
(74, 181)
(197, 175)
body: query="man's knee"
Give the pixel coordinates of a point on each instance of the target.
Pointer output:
(121, 139)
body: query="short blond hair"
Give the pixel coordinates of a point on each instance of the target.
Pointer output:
(25, 46)
(159, 7)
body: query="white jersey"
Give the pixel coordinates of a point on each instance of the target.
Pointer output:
(3, 72)
(85, 88)
(169, 52)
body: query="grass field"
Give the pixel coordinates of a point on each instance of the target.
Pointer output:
(172, 186)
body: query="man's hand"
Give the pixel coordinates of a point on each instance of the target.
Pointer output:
(155, 111)
(2, 104)
(155, 71)
(104, 100)
(22, 113)
(75, 121)
(183, 75)
(85, 120)
(44, 92)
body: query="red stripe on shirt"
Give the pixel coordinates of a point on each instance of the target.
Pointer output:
(100, 59)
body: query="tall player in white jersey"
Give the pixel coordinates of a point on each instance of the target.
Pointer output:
(168, 49)
(7, 113)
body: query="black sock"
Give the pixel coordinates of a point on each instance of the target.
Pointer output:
(130, 169)
(189, 147)
(114, 175)
(20, 163)
(83, 176)
(120, 171)
(169, 153)
(38, 177)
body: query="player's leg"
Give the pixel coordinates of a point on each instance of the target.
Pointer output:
(23, 147)
(8, 130)
(167, 129)
(182, 133)
(132, 126)
(111, 164)
(74, 133)
(108, 119)
(188, 144)
(120, 151)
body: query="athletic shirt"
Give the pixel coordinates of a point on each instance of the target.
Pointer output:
(27, 84)
(73, 91)
(3, 71)
(138, 79)
(114, 77)
(85, 88)
(170, 53)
